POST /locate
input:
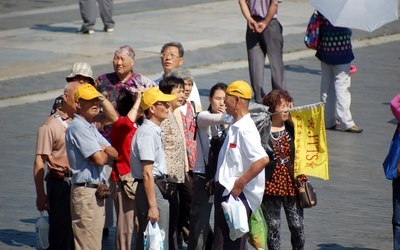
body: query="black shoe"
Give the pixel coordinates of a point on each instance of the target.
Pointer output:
(354, 129)
(85, 31)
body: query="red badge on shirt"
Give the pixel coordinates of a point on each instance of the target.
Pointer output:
(232, 145)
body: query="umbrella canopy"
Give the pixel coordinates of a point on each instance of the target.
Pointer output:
(367, 15)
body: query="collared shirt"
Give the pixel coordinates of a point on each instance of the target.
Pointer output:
(260, 7)
(51, 141)
(147, 146)
(82, 140)
(242, 147)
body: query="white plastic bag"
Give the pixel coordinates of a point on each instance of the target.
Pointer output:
(154, 237)
(42, 232)
(236, 217)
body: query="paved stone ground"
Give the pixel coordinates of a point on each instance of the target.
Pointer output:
(354, 207)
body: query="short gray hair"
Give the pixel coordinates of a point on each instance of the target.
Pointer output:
(174, 44)
(181, 73)
(127, 50)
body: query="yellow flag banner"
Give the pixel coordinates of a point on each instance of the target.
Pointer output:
(310, 141)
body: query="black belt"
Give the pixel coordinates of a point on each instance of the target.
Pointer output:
(87, 184)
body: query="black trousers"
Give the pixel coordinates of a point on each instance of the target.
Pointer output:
(60, 223)
(180, 206)
(221, 231)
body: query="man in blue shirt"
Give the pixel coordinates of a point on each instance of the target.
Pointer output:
(148, 163)
(88, 151)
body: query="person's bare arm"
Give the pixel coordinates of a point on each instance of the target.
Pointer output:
(100, 158)
(247, 176)
(38, 177)
(133, 113)
(109, 115)
(271, 12)
(148, 181)
(246, 13)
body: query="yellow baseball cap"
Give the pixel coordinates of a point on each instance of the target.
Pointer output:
(86, 92)
(240, 89)
(153, 95)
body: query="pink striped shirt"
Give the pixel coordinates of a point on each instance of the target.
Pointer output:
(260, 7)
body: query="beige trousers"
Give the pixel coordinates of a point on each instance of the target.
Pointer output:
(88, 215)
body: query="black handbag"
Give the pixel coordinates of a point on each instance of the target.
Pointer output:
(167, 186)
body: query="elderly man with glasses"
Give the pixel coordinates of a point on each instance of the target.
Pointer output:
(172, 58)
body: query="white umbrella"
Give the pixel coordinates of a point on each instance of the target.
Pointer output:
(367, 15)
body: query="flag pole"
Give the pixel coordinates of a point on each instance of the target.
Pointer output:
(299, 108)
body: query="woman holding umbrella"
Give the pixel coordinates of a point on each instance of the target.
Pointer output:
(335, 53)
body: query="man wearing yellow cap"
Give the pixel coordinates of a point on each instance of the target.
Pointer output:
(88, 151)
(148, 163)
(241, 162)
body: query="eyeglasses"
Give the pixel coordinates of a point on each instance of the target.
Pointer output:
(173, 56)
(165, 104)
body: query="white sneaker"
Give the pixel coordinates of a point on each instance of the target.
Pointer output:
(84, 31)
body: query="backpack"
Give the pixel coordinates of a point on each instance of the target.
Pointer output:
(261, 118)
(391, 163)
(311, 37)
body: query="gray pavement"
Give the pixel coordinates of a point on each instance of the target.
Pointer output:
(354, 206)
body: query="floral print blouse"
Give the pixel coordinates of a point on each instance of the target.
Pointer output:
(110, 85)
(174, 149)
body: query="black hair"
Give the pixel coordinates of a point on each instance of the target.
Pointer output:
(169, 83)
(124, 102)
(217, 86)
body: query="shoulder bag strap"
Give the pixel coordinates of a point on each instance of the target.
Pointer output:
(195, 119)
(64, 123)
(291, 173)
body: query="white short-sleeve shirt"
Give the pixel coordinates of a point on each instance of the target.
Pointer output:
(242, 147)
